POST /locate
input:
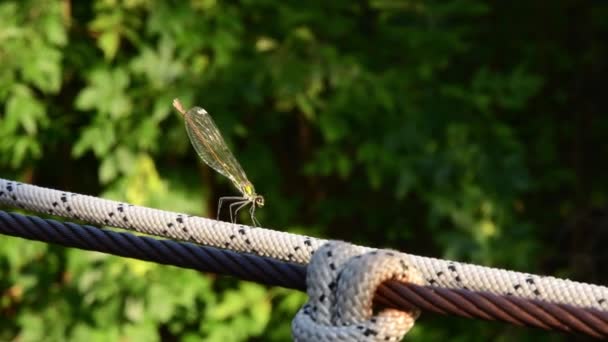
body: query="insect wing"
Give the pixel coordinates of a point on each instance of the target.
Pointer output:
(211, 147)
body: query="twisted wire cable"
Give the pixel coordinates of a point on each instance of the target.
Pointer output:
(289, 247)
(167, 252)
(393, 294)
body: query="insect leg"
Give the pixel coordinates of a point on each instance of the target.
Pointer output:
(240, 205)
(255, 221)
(226, 198)
(239, 208)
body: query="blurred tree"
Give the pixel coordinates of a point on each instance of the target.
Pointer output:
(456, 128)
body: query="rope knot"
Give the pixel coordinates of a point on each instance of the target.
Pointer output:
(341, 281)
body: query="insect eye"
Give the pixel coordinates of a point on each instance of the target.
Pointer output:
(260, 201)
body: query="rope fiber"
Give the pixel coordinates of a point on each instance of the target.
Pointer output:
(266, 270)
(290, 247)
(341, 281)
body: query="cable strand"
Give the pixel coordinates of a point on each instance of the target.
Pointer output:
(269, 271)
(289, 247)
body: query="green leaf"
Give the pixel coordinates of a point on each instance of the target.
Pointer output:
(108, 43)
(145, 331)
(106, 93)
(108, 169)
(54, 29)
(42, 67)
(86, 99)
(24, 109)
(21, 147)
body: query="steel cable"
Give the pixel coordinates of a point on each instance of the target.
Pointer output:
(460, 302)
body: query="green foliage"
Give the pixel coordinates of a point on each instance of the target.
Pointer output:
(434, 127)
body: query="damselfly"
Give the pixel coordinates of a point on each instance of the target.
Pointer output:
(212, 149)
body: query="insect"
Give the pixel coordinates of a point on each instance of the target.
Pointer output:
(212, 149)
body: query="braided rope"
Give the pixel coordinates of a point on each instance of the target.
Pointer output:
(341, 283)
(392, 294)
(290, 247)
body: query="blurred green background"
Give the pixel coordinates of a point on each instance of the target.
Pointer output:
(458, 129)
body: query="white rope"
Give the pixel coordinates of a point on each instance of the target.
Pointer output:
(341, 280)
(289, 247)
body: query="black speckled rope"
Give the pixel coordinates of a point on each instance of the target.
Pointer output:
(289, 247)
(269, 271)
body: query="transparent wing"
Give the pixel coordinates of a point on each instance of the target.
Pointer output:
(211, 147)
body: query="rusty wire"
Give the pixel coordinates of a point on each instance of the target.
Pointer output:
(459, 302)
